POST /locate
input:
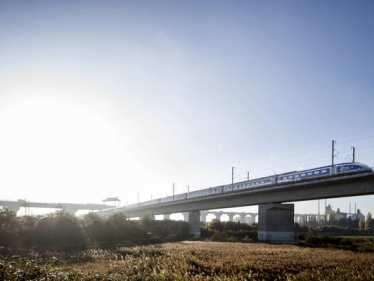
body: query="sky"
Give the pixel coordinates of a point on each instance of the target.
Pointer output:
(120, 98)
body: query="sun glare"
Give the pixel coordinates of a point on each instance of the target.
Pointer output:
(60, 148)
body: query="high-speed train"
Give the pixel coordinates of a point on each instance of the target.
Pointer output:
(296, 176)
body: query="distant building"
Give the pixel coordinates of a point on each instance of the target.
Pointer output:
(332, 215)
(358, 216)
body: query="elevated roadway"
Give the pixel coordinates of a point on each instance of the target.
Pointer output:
(71, 208)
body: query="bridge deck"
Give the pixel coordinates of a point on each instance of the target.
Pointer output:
(337, 186)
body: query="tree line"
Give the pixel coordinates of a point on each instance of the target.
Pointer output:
(61, 231)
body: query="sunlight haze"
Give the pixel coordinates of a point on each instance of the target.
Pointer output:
(108, 98)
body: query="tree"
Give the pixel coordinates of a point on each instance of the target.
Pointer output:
(361, 225)
(8, 228)
(369, 223)
(26, 231)
(59, 231)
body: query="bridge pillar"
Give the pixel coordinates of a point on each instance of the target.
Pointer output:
(276, 223)
(70, 211)
(247, 219)
(194, 222)
(203, 217)
(149, 216)
(252, 219)
(219, 216)
(303, 220)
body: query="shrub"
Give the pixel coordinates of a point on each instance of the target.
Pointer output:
(59, 232)
(8, 228)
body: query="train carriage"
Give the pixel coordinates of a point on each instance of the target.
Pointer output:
(326, 171)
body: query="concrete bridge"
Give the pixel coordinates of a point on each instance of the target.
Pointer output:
(304, 219)
(250, 217)
(242, 217)
(276, 219)
(70, 208)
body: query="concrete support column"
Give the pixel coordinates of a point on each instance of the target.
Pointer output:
(242, 219)
(203, 217)
(252, 219)
(70, 211)
(312, 218)
(185, 217)
(219, 216)
(148, 217)
(247, 219)
(276, 223)
(303, 220)
(194, 222)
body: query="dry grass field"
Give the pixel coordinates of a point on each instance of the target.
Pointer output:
(196, 261)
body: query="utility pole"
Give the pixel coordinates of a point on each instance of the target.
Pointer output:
(173, 190)
(232, 178)
(353, 154)
(325, 210)
(333, 142)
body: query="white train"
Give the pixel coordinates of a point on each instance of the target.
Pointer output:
(326, 171)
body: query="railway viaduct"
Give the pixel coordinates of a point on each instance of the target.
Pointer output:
(70, 208)
(276, 213)
(250, 217)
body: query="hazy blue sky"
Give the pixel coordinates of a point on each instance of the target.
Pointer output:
(111, 98)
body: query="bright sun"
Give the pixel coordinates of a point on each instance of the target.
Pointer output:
(61, 149)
